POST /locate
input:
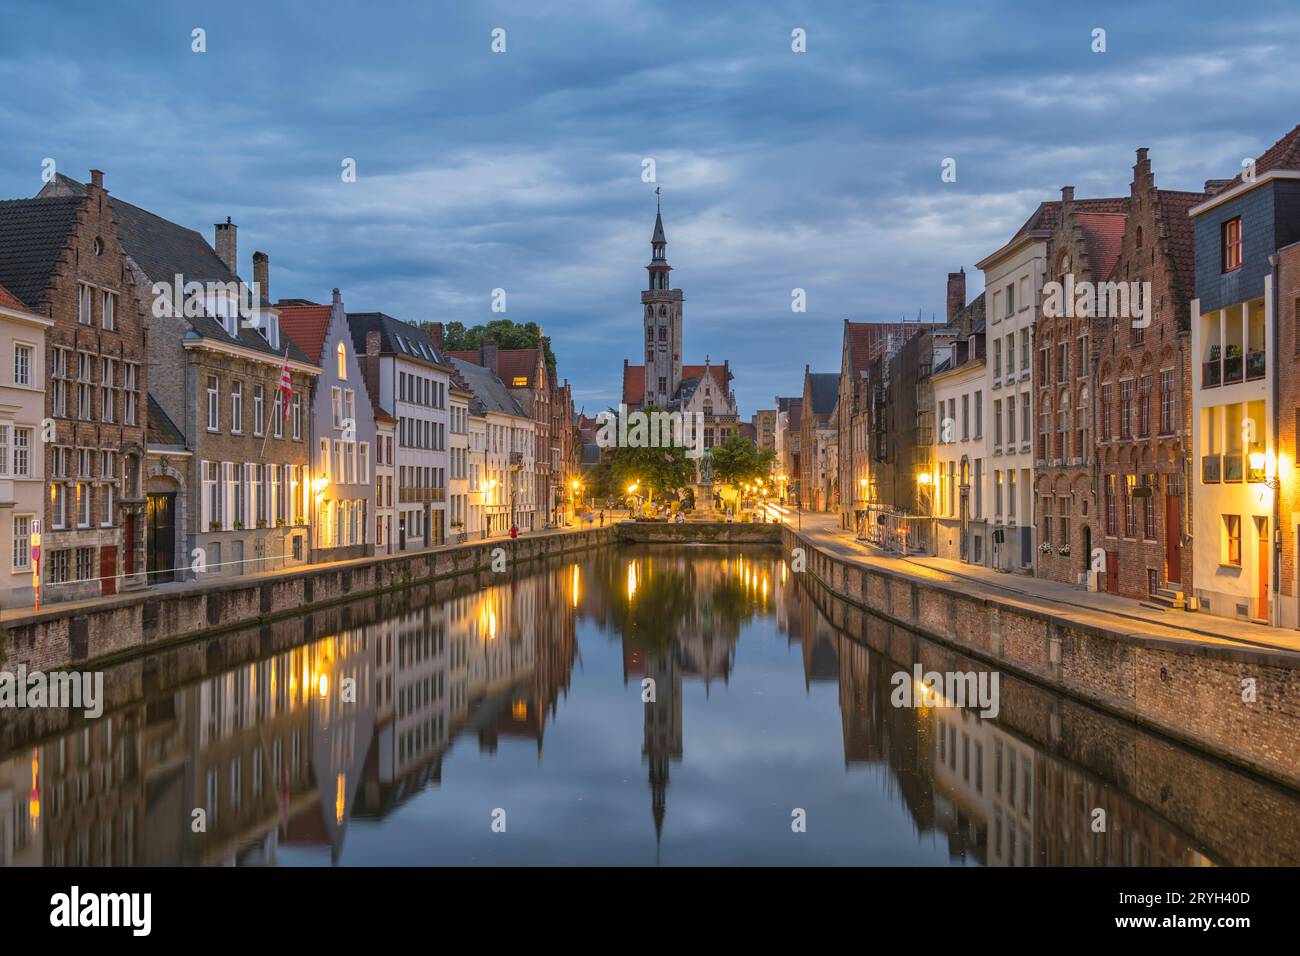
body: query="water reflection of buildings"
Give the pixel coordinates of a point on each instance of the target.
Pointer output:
(991, 794)
(491, 663)
(123, 790)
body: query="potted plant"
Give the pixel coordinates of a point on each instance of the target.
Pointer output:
(214, 525)
(261, 522)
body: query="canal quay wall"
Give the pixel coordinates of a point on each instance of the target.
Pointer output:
(697, 532)
(1093, 760)
(1189, 690)
(93, 636)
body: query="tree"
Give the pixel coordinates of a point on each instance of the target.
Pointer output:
(738, 460)
(509, 335)
(659, 471)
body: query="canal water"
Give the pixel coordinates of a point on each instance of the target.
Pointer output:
(503, 720)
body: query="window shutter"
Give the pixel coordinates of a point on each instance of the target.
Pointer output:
(205, 497)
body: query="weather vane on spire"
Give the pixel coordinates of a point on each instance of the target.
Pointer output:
(657, 189)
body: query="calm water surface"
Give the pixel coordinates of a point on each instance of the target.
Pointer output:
(397, 731)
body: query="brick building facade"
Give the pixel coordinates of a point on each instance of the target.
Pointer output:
(62, 257)
(1146, 368)
(1084, 247)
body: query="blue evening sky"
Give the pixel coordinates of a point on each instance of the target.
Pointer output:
(522, 170)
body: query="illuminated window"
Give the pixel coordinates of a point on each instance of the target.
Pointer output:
(343, 363)
(519, 380)
(1232, 244)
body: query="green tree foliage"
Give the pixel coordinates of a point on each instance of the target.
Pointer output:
(509, 335)
(738, 460)
(661, 472)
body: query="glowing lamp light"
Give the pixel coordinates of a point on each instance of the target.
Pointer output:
(319, 484)
(923, 478)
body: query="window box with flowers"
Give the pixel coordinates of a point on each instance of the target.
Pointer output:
(1063, 550)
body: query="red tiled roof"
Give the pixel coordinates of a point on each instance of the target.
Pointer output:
(511, 364)
(633, 384)
(1181, 234)
(1284, 154)
(10, 301)
(634, 379)
(1103, 237)
(719, 373)
(1045, 217)
(307, 326)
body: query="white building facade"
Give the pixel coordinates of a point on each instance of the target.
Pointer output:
(1013, 281)
(413, 381)
(961, 459)
(22, 451)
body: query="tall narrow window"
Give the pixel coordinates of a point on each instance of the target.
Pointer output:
(108, 311)
(214, 408)
(22, 365)
(1232, 244)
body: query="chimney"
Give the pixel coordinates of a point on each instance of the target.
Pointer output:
(956, 293)
(97, 178)
(261, 270)
(436, 334)
(225, 244)
(1067, 194)
(374, 342)
(487, 354)
(337, 299)
(1215, 186)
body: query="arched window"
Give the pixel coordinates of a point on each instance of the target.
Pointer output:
(1138, 237)
(343, 362)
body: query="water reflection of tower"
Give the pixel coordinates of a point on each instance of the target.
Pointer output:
(663, 728)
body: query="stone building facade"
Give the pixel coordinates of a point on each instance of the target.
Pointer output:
(216, 362)
(62, 256)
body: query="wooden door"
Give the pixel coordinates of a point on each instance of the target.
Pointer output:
(1112, 572)
(107, 571)
(1261, 569)
(1173, 539)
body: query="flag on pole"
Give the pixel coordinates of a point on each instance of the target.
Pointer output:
(286, 387)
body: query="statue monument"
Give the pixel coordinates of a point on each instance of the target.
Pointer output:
(704, 488)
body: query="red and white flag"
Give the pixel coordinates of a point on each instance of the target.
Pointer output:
(286, 390)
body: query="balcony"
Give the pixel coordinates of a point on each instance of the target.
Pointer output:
(720, 419)
(428, 495)
(1255, 364)
(1211, 374)
(516, 459)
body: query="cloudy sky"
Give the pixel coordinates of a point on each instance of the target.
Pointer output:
(522, 170)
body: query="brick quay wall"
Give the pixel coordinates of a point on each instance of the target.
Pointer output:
(144, 621)
(1191, 691)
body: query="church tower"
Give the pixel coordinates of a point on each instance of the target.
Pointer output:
(662, 310)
